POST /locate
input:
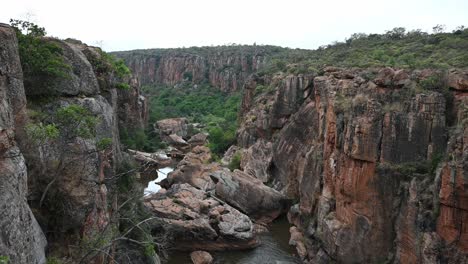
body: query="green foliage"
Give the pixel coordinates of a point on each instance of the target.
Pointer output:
(203, 104)
(432, 82)
(188, 76)
(39, 57)
(221, 138)
(420, 167)
(4, 259)
(235, 161)
(126, 180)
(76, 121)
(40, 133)
(66, 123)
(122, 86)
(104, 143)
(53, 260)
(146, 140)
(149, 250)
(260, 89)
(107, 63)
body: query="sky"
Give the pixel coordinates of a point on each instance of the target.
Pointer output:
(142, 24)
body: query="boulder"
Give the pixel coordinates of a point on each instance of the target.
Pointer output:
(193, 169)
(177, 126)
(198, 139)
(201, 257)
(458, 80)
(195, 221)
(250, 195)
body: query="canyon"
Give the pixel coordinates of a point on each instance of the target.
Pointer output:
(368, 164)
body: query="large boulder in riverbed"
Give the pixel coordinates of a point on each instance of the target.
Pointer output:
(194, 169)
(192, 220)
(249, 195)
(201, 257)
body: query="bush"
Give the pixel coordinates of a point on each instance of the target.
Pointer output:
(4, 259)
(40, 58)
(235, 162)
(104, 143)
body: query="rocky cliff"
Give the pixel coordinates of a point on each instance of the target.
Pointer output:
(225, 68)
(375, 158)
(21, 238)
(68, 136)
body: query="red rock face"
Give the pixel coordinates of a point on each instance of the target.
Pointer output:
(226, 71)
(352, 155)
(452, 224)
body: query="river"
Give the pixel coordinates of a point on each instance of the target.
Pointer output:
(274, 249)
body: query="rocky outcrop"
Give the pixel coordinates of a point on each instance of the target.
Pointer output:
(194, 169)
(21, 238)
(201, 257)
(249, 195)
(68, 169)
(359, 155)
(262, 116)
(195, 221)
(225, 68)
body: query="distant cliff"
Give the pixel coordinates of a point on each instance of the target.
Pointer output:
(224, 67)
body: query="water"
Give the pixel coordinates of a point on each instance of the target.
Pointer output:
(153, 186)
(274, 249)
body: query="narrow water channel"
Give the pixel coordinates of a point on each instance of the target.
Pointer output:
(153, 185)
(274, 249)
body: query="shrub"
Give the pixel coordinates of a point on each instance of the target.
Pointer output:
(104, 143)
(4, 259)
(122, 86)
(235, 161)
(40, 58)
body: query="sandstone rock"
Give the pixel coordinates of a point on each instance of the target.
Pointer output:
(193, 169)
(297, 240)
(385, 77)
(173, 130)
(223, 69)
(21, 238)
(256, 160)
(249, 195)
(198, 139)
(80, 80)
(201, 257)
(341, 155)
(229, 154)
(458, 80)
(194, 221)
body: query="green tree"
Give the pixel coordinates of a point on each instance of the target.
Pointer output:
(40, 58)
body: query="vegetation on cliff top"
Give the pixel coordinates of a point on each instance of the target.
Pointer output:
(39, 57)
(395, 48)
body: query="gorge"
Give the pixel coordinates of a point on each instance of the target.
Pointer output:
(345, 158)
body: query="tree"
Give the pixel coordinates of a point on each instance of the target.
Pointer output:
(39, 57)
(438, 29)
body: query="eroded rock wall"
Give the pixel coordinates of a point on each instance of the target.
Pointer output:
(359, 154)
(225, 70)
(21, 238)
(69, 181)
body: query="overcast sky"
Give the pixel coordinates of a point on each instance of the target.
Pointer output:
(139, 24)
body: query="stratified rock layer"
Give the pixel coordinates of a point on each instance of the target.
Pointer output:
(360, 157)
